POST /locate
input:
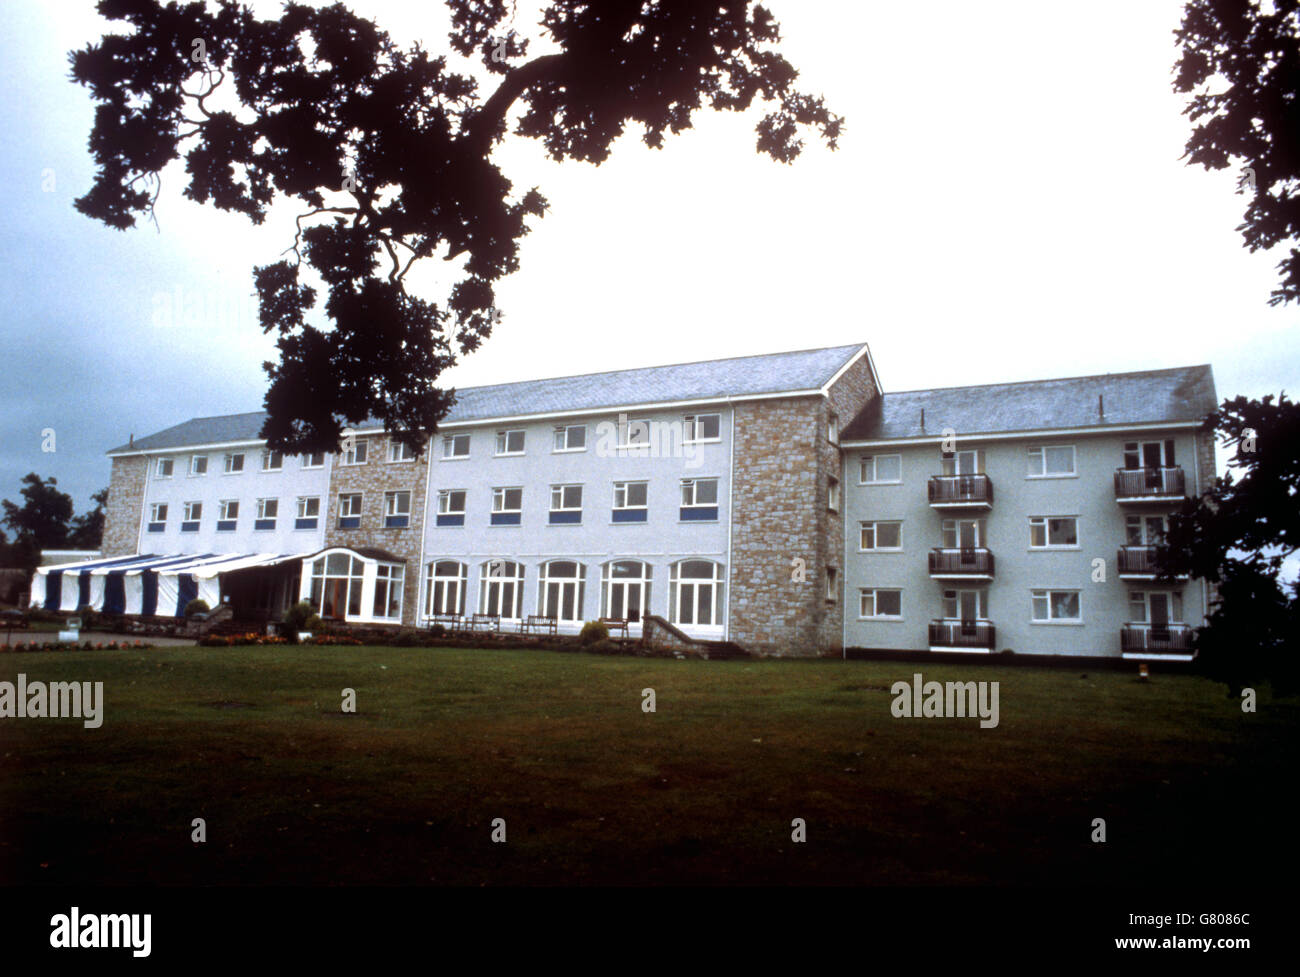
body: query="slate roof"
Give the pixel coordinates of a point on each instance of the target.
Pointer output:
(743, 376)
(1149, 396)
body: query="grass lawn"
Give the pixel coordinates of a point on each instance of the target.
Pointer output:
(593, 790)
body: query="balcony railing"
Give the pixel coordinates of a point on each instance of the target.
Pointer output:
(1156, 639)
(1141, 484)
(976, 635)
(962, 561)
(953, 491)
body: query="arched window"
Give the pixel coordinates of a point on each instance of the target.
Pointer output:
(560, 592)
(501, 588)
(625, 589)
(444, 589)
(336, 585)
(695, 593)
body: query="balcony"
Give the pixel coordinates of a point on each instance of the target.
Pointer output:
(1150, 485)
(961, 492)
(1172, 642)
(949, 635)
(961, 563)
(1139, 563)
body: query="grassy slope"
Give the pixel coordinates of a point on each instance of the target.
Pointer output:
(594, 790)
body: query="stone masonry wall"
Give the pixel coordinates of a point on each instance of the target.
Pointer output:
(846, 399)
(377, 476)
(776, 520)
(783, 462)
(125, 501)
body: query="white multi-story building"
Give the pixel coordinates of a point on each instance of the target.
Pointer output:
(780, 502)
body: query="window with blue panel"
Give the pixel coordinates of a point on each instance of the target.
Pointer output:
(699, 500)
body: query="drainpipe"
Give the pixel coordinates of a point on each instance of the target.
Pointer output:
(731, 518)
(424, 535)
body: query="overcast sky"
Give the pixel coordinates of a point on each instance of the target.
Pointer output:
(1008, 203)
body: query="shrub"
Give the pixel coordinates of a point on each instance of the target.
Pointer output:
(197, 606)
(406, 638)
(594, 632)
(300, 617)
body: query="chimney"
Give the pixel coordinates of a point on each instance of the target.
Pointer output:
(922, 418)
(1101, 409)
(131, 440)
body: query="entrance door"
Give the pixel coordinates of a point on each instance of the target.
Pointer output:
(334, 602)
(625, 599)
(968, 605)
(1159, 616)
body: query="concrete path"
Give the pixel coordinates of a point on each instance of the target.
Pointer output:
(94, 637)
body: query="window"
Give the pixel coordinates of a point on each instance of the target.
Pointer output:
(308, 512)
(1046, 532)
(356, 451)
(1051, 460)
(157, 517)
(969, 462)
(625, 589)
(314, 460)
(397, 510)
(165, 467)
(501, 589)
(444, 591)
(832, 583)
(510, 442)
(699, 499)
(389, 580)
(1144, 530)
(881, 469)
(566, 504)
(234, 463)
(400, 451)
(881, 536)
(451, 507)
(228, 516)
(193, 515)
(199, 465)
(635, 434)
(880, 602)
(507, 506)
(1055, 605)
(833, 428)
(630, 501)
(267, 511)
(963, 533)
(272, 461)
(571, 437)
(336, 585)
(695, 593)
(560, 590)
(965, 605)
(1155, 607)
(455, 446)
(702, 427)
(833, 494)
(1149, 454)
(350, 510)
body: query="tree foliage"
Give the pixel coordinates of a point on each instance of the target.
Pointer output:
(87, 529)
(1239, 535)
(389, 152)
(43, 517)
(1240, 65)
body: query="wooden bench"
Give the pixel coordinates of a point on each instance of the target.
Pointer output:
(449, 622)
(485, 622)
(538, 622)
(613, 624)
